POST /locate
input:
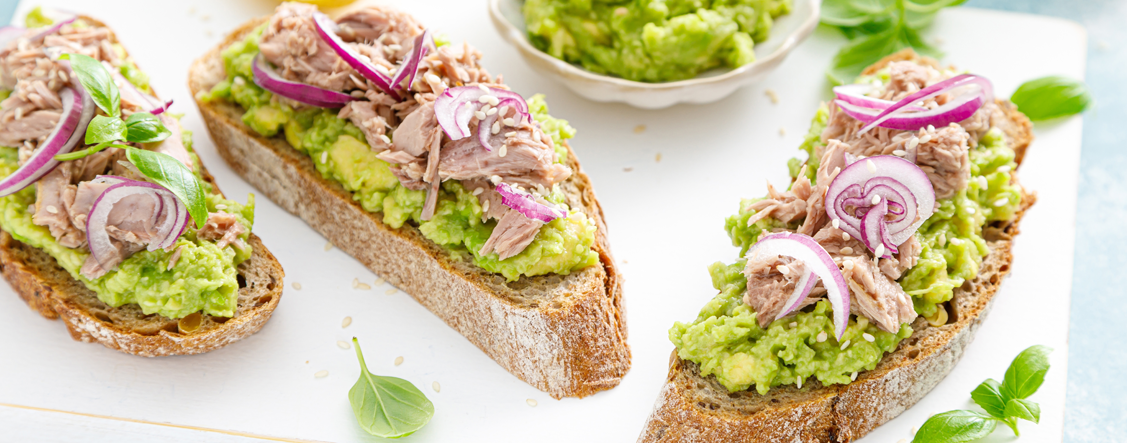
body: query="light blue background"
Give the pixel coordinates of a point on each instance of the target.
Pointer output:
(1096, 409)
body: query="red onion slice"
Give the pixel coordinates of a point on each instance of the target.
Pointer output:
(269, 79)
(409, 67)
(167, 210)
(898, 186)
(855, 95)
(953, 111)
(455, 108)
(485, 127)
(78, 110)
(980, 91)
(327, 29)
(526, 204)
(803, 248)
(54, 28)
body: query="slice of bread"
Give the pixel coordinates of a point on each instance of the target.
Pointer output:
(50, 290)
(695, 408)
(563, 334)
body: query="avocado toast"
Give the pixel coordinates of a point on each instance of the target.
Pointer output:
(817, 378)
(484, 217)
(159, 282)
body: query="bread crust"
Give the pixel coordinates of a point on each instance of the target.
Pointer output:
(693, 408)
(51, 291)
(564, 335)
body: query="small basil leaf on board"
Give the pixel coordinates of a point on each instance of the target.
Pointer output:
(1027, 372)
(387, 407)
(146, 128)
(989, 396)
(167, 171)
(97, 81)
(955, 427)
(1051, 97)
(1024, 409)
(105, 129)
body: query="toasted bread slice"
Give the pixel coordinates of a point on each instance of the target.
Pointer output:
(50, 290)
(563, 334)
(694, 408)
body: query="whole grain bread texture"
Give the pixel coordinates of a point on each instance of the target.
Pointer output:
(694, 408)
(50, 290)
(563, 334)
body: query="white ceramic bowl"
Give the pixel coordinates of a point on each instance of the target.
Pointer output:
(788, 31)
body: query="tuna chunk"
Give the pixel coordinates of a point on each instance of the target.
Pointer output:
(768, 288)
(787, 206)
(35, 126)
(224, 229)
(366, 115)
(877, 297)
(416, 134)
(380, 27)
(907, 258)
(132, 224)
(529, 158)
(292, 44)
(51, 206)
(833, 241)
(946, 160)
(512, 234)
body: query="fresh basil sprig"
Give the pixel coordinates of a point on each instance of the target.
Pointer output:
(877, 28)
(1051, 97)
(387, 407)
(1004, 402)
(97, 81)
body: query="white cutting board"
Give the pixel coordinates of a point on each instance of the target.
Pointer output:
(665, 222)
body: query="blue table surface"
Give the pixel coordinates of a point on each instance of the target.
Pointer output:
(1096, 409)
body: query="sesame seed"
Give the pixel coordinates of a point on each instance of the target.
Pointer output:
(876, 199)
(845, 236)
(982, 182)
(880, 250)
(782, 131)
(321, 374)
(798, 381)
(52, 209)
(221, 206)
(496, 127)
(821, 337)
(390, 291)
(956, 241)
(783, 269)
(872, 166)
(486, 109)
(930, 128)
(491, 111)
(483, 89)
(344, 323)
(853, 377)
(503, 151)
(509, 122)
(380, 281)
(848, 264)
(772, 95)
(384, 138)
(343, 344)
(845, 345)
(1004, 168)
(913, 430)
(511, 134)
(970, 210)
(793, 324)
(480, 115)
(355, 282)
(325, 157)
(531, 402)
(492, 100)
(847, 250)
(836, 223)
(621, 11)
(398, 360)
(297, 286)
(437, 387)
(431, 78)
(478, 191)
(495, 179)
(639, 129)
(328, 246)
(926, 138)
(363, 286)
(1001, 202)
(657, 158)
(899, 152)
(869, 337)
(485, 206)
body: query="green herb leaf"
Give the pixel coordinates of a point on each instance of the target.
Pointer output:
(989, 396)
(1026, 373)
(850, 13)
(97, 81)
(167, 171)
(1051, 97)
(877, 28)
(955, 427)
(387, 407)
(864, 51)
(1024, 409)
(145, 128)
(105, 129)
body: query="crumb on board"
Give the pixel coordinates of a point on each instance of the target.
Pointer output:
(639, 129)
(772, 95)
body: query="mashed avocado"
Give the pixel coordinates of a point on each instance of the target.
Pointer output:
(651, 40)
(727, 342)
(203, 278)
(341, 154)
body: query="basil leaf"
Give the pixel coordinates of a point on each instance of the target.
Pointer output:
(1051, 97)
(989, 396)
(387, 407)
(145, 128)
(1024, 409)
(851, 13)
(105, 129)
(955, 427)
(1027, 372)
(96, 79)
(167, 171)
(864, 51)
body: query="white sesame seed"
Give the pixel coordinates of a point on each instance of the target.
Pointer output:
(853, 377)
(793, 324)
(511, 134)
(783, 269)
(344, 323)
(503, 151)
(328, 246)
(982, 182)
(431, 78)
(355, 283)
(956, 241)
(880, 250)
(297, 286)
(847, 250)
(531, 402)
(221, 206)
(483, 88)
(772, 95)
(380, 281)
(19, 113)
(899, 152)
(836, 223)
(930, 128)
(384, 138)
(868, 337)
(621, 11)
(970, 210)
(915, 141)
(848, 264)
(876, 199)
(488, 108)
(325, 157)
(398, 360)
(363, 286)
(485, 206)
(437, 387)
(821, 337)
(52, 209)
(782, 131)
(845, 236)
(480, 115)
(926, 138)
(798, 381)
(845, 345)
(491, 111)
(478, 191)
(872, 167)
(495, 179)
(321, 374)
(496, 127)
(509, 122)
(1001, 202)
(390, 291)
(1004, 168)
(343, 344)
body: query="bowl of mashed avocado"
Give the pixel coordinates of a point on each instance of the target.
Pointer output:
(655, 53)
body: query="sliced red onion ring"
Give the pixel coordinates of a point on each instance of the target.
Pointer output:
(455, 108)
(78, 110)
(526, 204)
(171, 214)
(269, 79)
(327, 29)
(899, 187)
(855, 95)
(979, 91)
(409, 67)
(803, 248)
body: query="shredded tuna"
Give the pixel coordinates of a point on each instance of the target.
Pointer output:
(946, 159)
(51, 207)
(877, 297)
(768, 288)
(512, 234)
(291, 43)
(907, 258)
(222, 228)
(787, 206)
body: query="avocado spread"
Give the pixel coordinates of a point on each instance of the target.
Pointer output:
(651, 40)
(202, 279)
(341, 154)
(727, 341)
